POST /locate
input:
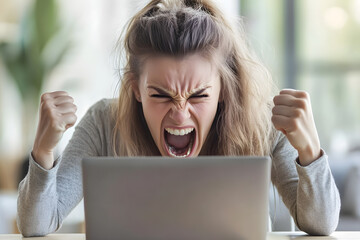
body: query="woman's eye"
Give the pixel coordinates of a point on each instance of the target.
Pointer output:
(199, 96)
(159, 96)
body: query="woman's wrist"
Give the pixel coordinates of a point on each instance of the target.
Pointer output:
(306, 157)
(44, 158)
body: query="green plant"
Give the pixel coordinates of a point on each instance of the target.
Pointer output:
(41, 46)
(27, 60)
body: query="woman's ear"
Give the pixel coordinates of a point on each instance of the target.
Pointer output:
(135, 88)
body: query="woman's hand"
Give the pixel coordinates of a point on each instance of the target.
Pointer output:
(293, 116)
(57, 114)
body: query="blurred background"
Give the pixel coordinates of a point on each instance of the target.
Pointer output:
(49, 45)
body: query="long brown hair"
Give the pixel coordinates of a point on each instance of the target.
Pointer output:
(242, 125)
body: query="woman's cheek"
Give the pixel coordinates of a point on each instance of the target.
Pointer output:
(158, 112)
(205, 109)
(161, 109)
(155, 107)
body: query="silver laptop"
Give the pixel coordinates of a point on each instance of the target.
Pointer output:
(163, 198)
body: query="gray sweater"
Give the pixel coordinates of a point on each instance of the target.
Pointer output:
(46, 197)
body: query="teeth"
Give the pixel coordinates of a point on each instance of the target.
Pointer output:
(180, 132)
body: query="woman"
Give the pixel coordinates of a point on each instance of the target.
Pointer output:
(190, 87)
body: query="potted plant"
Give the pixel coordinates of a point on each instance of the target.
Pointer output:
(40, 47)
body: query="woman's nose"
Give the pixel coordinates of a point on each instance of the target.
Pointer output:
(179, 112)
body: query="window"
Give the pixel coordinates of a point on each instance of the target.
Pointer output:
(314, 46)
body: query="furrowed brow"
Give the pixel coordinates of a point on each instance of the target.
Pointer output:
(171, 93)
(199, 91)
(160, 90)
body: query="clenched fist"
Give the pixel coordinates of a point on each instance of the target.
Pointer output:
(57, 114)
(293, 116)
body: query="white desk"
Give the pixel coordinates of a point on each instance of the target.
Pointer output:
(271, 236)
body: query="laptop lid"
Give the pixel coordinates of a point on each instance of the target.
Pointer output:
(168, 198)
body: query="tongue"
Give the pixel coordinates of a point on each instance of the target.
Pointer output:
(178, 141)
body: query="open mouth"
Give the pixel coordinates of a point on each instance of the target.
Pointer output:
(179, 142)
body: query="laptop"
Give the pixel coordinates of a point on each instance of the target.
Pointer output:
(163, 198)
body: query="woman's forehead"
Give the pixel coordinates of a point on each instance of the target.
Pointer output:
(189, 73)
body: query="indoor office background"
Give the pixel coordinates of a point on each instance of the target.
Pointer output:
(48, 45)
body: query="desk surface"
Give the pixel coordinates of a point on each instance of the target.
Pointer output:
(271, 236)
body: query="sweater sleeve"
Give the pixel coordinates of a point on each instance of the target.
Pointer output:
(309, 192)
(46, 197)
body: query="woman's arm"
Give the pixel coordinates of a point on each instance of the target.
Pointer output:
(292, 115)
(309, 192)
(57, 114)
(300, 168)
(46, 196)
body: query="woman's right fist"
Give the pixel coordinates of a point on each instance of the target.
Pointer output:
(56, 115)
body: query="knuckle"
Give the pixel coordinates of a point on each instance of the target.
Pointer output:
(276, 98)
(72, 108)
(273, 110)
(302, 103)
(45, 106)
(69, 99)
(45, 96)
(293, 122)
(298, 113)
(273, 119)
(304, 94)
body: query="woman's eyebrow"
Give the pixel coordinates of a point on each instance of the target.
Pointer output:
(199, 91)
(161, 90)
(166, 92)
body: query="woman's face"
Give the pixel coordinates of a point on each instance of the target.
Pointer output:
(179, 98)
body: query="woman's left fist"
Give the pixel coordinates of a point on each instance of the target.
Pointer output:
(293, 116)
